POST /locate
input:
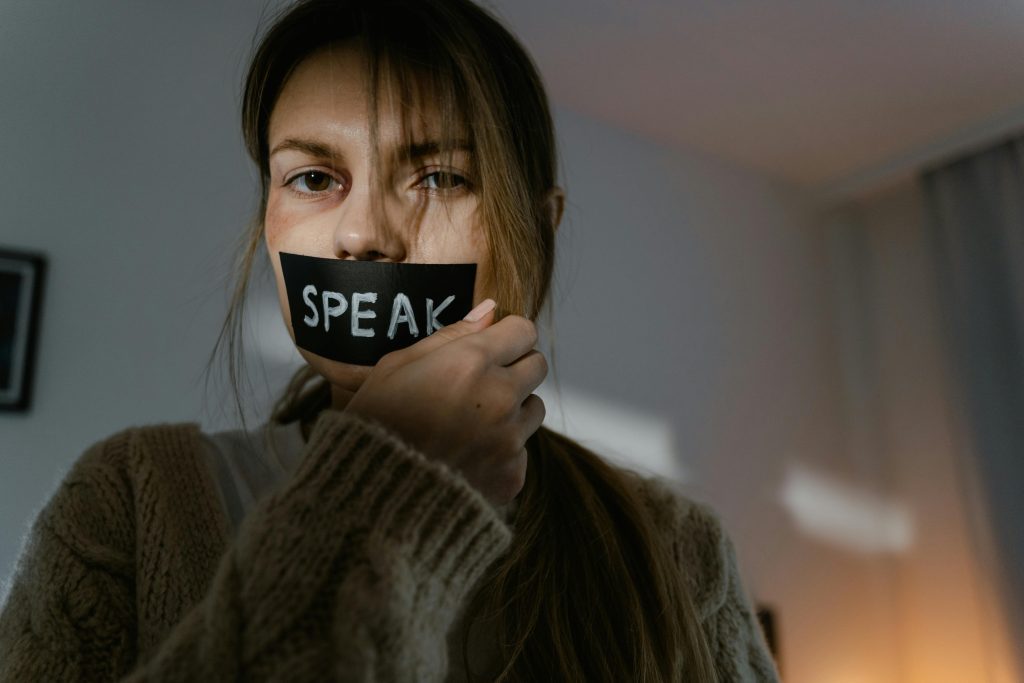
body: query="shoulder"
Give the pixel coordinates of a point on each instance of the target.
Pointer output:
(93, 511)
(698, 539)
(707, 557)
(105, 481)
(132, 446)
(130, 457)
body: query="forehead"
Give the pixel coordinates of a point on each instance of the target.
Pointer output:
(328, 94)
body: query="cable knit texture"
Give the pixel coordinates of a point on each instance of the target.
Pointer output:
(354, 569)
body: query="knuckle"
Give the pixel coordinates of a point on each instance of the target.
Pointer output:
(480, 354)
(463, 374)
(472, 361)
(466, 374)
(524, 327)
(470, 353)
(530, 331)
(542, 410)
(543, 362)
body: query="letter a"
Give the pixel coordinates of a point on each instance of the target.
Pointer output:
(401, 312)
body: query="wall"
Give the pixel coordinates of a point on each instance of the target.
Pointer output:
(691, 299)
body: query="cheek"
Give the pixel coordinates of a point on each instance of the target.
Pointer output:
(276, 222)
(277, 226)
(467, 248)
(451, 237)
(287, 227)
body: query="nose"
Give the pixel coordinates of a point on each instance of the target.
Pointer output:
(364, 233)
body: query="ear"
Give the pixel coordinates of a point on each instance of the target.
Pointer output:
(554, 203)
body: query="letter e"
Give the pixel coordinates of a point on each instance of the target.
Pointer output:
(357, 315)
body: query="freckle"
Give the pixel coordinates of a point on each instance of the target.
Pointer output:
(478, 405)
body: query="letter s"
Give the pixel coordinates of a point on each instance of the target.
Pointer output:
(307, 292)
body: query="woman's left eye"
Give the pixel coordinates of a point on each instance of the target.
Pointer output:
(316, 183)
(443, 180)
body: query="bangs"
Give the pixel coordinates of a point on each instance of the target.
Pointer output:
(415, 82)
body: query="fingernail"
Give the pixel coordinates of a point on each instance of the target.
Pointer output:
(482, 309)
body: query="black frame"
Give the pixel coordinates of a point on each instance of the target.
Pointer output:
(22, 275)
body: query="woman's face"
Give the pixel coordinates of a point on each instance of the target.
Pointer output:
(319, 201)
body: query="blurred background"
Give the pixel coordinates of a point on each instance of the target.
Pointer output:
(807, 218)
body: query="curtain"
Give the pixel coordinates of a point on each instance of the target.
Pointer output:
(975, 227)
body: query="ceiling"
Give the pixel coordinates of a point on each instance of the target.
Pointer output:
(814, 92)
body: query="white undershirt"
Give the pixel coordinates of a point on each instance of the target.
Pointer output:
(247, 465)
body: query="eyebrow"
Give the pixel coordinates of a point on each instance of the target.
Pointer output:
(311, 147)
(413, 152)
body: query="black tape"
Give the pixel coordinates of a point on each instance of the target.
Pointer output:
(357, 311)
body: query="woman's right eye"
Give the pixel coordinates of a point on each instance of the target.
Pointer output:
(316, 183)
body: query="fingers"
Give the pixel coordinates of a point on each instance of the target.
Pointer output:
(502, 343)
(528, 372)
(508, 339)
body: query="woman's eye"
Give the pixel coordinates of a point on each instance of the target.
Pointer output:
(315, 182)
(443, 180)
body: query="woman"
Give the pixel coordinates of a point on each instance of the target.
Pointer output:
(416, 522)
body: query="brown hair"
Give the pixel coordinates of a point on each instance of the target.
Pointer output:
(589, 591)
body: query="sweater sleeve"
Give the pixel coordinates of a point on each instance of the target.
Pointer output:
(737, 643)
(352, 571)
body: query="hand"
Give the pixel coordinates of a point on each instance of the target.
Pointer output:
(463, 396)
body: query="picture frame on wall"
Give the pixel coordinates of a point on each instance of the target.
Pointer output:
(21, 290)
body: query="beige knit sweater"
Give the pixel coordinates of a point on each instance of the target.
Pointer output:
(354, 570)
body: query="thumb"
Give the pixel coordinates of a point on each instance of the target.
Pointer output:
(476, 320)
